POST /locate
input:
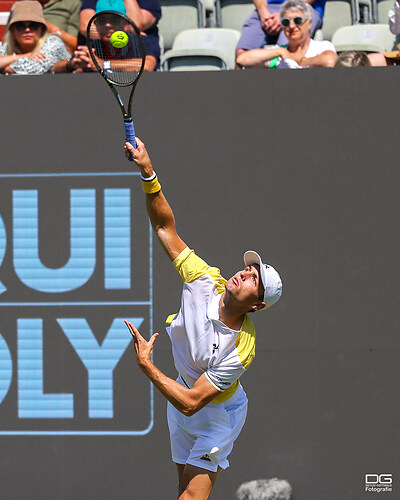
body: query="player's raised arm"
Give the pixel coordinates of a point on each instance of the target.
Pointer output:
(160, 213)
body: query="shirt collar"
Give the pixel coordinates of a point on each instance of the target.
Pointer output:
(213, 313)
(213, 307)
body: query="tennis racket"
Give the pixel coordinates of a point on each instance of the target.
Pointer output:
(118, 53)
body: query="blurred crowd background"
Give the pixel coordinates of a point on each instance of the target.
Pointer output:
(186, 35)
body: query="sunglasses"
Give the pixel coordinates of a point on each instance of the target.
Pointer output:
(298, 21)
(21, 26)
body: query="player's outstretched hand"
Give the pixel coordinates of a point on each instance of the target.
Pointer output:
(143, 348)
(140, 156)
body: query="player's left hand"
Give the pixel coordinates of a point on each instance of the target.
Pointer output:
(143, 347)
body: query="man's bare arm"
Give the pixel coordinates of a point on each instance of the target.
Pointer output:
(270, 22)
(187, 401)
(84, 18)
(143, 19)
(161, 216)
(327, 59)
(257, 58)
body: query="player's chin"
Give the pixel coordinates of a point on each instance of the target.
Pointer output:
(230, 288)
(228, 285)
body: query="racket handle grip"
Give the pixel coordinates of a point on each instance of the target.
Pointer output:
(130, 134)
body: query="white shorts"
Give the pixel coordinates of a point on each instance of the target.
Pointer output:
(206, 439)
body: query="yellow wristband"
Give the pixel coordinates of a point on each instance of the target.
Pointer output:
(152, 186)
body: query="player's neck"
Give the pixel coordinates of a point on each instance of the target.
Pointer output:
(230, 315)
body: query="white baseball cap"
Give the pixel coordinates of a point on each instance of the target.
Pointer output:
(270, 278)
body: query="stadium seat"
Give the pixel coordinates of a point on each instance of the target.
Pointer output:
(203, 60)
(209, 7)
(366, 37)
(232, 13)
(177, 16)
(338, 13)
(202, 49)
(382, 10)
(365, 10)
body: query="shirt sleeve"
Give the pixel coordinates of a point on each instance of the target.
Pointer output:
(394, 19)
(153, 6)
(325, 45)
(227, 370)
(73, 21)
(89, 4)
(224, 374)
(190, 267)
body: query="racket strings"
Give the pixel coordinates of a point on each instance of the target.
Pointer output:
(119, 64)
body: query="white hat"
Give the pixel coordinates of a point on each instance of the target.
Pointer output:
(270, 278)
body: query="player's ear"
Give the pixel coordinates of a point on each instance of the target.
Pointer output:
(258, 306)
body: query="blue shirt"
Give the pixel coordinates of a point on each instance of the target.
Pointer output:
(153, 6)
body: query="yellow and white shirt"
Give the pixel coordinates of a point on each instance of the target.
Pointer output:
(201, 343)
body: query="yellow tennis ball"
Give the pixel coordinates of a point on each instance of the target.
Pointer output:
(119, 39)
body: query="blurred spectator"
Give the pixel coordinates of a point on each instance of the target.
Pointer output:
(389, 58)
(263, 26)
(28, 48)
(301, 51)
(62, 19)
(351, 58)
(385, 58)
(394, 19)
(264, 489)
(144, 13)
(79, 62)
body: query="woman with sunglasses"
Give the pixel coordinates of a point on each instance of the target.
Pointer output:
(301, 51)
(28, 48)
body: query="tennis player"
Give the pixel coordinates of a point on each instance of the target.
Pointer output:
(213, 343)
